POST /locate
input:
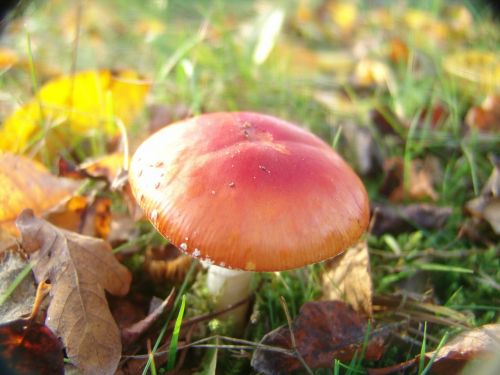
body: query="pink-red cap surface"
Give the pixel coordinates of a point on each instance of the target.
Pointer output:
(248, 191)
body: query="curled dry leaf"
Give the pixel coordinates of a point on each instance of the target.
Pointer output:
(347, 277)
(106, 168)
(482, 343)
(80, 269)
(487, 205)
(90, 216)
(131, 334)
(486, 117)
(423, 174)
(323, 331)
(166, 263)
(25, 183)
(399, 219)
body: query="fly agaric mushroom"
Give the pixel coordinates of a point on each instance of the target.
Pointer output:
(247, 192)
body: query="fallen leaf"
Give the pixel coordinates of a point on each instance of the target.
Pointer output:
(107, 167)
(347, 277)
(480, 68)
(27, 347)
(344, 15)
(132, 333)
(166, 263)
(367, 154)
(423, 174)
(426, 28)
(70, 214)
(80, 269)
(486, 117)
(459, 18)
(487, 205)
(396, 219)
(370, 72)
(20, 301)
(149, 29)
(75, 105)
(482, 344)
(435, 115)
(25, 183)
(323, 331)
(8, 58)
(398, 51)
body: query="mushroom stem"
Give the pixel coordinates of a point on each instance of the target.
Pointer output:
(228, 287)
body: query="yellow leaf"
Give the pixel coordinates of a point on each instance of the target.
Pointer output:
(478, 67)
(344, 14)
(7, 58)
(149, 28)
(76, 105)
(25, 183)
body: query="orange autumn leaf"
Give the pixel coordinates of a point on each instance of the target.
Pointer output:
(75, 105)
(8, 58)
(25, 183)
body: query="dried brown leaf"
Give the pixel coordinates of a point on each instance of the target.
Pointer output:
(396, 219)
(423, 174)
(477, 344)
(25, 183)
(348, 278)
(131, 334)
(323, 331)
(486, 117)
(487, 205)
(80, 269)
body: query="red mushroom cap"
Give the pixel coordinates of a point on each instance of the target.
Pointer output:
(248, 191)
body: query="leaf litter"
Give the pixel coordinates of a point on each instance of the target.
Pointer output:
(364, 66)
(79, 269)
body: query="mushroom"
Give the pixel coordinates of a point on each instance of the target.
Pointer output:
(247, 192)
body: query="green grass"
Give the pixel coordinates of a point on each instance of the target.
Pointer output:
(211, 69)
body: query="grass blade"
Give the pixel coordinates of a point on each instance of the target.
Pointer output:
(172, 352)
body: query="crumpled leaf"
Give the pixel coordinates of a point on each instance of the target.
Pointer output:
(106, 168)
(90, 216)
(27, 347)
(396, 219)
(132, 333)
(20, 302)
(79, 269)
(482, 343)
(423, 175)
(84, 102)
(323, 331)
(487, 205)
(347, 277)
(486, 117)
(25, 183)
